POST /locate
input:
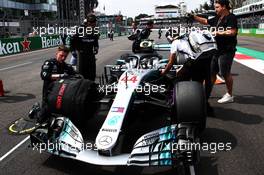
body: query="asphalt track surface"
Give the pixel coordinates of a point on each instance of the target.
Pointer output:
(239, 123)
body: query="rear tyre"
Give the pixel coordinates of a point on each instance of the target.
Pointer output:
(190, 103)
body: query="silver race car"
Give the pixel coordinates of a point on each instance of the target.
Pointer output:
(131, 85)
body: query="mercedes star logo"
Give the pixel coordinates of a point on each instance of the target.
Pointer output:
(105, 140)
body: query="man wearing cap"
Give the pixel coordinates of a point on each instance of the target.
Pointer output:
(87, 47)
(226, 39)
(144, 34)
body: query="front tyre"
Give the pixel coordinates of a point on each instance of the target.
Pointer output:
(190, 103)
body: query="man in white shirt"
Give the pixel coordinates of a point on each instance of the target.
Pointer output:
(195, 68)
(180, 46)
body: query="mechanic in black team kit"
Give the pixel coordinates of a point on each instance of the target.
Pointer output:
(144, 34)
(52, 69)
(226, 42)
(87, 47)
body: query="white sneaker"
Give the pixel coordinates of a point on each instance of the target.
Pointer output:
(226, 99)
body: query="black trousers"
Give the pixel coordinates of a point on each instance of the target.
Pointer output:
(87, 66)
(135, 46)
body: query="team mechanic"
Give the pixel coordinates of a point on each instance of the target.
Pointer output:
(135, 29)
(52, 69)
(194, 69)
(144, 34)
(87, 47)
(226, 39)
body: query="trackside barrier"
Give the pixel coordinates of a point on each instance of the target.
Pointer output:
(253, 31)
(9, 46)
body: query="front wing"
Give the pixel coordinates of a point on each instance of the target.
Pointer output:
(152, 149)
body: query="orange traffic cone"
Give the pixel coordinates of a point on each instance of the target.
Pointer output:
(1, 89)
(219, 80)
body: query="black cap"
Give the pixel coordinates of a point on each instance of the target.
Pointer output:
(224, 2)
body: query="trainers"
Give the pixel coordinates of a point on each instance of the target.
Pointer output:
(227, 98)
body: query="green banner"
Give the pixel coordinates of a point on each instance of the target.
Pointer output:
(253, 31)
(10, 46)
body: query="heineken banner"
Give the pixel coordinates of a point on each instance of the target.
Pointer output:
(10, 46)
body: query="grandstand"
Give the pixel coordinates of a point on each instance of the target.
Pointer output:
(166, 14)
(251, 14)
(249, 7)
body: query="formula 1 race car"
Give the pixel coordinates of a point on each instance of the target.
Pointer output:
(151, 120)
(184, 103)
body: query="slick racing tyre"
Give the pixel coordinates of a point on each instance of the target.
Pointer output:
(73, 98)
(190, 103)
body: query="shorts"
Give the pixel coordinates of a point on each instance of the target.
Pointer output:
(222, 63)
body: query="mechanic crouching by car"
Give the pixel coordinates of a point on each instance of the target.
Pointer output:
(86, 45)
(52, 69)
(195, 67)
(144, 34)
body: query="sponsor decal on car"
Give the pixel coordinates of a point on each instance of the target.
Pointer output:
(118, 109)
(60, 95)
(109, 130)
(113, 120)
(105, 140)
(132, 79)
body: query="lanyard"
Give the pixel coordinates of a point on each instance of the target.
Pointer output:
(219, 21)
